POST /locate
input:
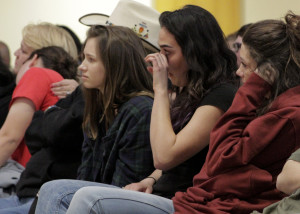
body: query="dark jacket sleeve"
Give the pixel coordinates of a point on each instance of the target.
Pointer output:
(60, 126)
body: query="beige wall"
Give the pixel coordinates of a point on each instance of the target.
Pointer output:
(256, 10)
(15, 14)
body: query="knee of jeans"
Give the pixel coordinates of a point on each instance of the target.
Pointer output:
(52, 187)
(85, 192)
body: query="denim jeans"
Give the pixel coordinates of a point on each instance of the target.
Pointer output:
(102, 200)
(15, 205)
(55, 196)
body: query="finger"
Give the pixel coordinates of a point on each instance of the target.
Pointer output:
(161, 61)
(57, 84)
(61, 96)
(61, 93)
(149, 56)
(148, 190)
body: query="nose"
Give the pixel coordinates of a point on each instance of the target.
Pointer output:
(82, 67)
(16, 53)
(239, 72)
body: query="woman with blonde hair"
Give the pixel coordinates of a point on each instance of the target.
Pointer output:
(37, 36)
(32, 93)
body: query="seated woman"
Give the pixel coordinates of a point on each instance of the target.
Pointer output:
(34, 37)
(118, 95)
(201, 69)
(32, 93)
(204, 93)
(243, 161)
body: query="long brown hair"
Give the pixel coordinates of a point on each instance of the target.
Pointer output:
(277, 43)
(122, 54)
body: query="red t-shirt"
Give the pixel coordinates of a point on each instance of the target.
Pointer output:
(36, 86)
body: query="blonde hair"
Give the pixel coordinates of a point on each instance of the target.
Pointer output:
(45, 34)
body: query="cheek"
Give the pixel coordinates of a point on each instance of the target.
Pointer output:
(23, 58)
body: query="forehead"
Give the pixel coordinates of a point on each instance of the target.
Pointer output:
(238, 39)
(245, 55)
(23, 45)
(166, 38)
(91, 44)
(244, 52)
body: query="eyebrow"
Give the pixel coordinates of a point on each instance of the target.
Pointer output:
(166, 46)
(89, 55)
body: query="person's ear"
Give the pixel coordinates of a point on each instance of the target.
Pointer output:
(267, 71)
(33, 60)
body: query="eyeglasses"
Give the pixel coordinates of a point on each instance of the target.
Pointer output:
(236, 46)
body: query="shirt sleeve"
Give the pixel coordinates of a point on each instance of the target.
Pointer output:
(34, 85)
(221, 96)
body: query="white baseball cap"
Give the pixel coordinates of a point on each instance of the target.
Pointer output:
(143, 20)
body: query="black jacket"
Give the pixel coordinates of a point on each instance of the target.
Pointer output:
(54, 139)
(6, 92)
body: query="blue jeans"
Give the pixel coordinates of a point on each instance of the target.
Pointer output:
(101, 200)
(15, 205)
(55, 196)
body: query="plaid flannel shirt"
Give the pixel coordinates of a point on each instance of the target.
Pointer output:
(123, 154)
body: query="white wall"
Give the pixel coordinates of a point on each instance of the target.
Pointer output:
(256, 10)
(15, 14)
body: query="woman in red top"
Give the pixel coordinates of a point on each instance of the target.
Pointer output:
(44, 67)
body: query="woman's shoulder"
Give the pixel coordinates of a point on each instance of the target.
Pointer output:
(224, 87)
(138, 104)
(221, 96)
(140, 101)
(41, 72)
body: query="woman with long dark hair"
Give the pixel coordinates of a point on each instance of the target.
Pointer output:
(201, 69)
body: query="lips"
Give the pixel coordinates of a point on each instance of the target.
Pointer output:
(84, 77)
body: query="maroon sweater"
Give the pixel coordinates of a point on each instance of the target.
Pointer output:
(246, 154)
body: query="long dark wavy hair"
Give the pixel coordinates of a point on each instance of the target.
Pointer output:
(204, 47)
(277, 43)
(122, 54)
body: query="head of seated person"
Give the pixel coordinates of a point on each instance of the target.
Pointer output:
(51, 57)
(37, 36)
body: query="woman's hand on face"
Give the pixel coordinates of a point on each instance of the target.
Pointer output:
(159, 70)
(267, 72)
(64, 87)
